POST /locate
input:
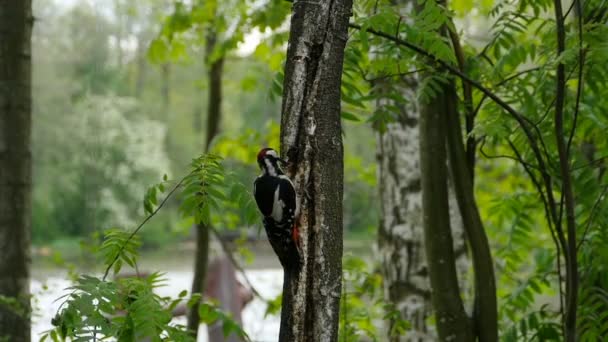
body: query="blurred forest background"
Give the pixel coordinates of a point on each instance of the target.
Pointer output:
(120, 101)
(111, 117)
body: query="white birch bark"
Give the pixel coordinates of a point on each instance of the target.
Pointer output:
(401, 235)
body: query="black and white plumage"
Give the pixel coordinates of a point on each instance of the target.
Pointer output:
(276, 198)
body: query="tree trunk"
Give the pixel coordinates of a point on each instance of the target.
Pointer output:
(401, 235)
(15, 168)
(214, 112)
(311, 141)
(165, 89)
(452, 321)
(216, 69)
(140, 70)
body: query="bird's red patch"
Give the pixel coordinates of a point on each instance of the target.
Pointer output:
(262, 153)
(295, 234)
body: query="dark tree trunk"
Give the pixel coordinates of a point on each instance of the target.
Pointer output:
(140, 69)
(485, 317)
(201, 262)
(452, 321)
(216, 69)
(214, 113)
(311, 141)
(15, 168)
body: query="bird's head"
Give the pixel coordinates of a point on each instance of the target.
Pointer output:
(268, 160)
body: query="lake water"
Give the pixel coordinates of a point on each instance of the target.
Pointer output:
(47, 288)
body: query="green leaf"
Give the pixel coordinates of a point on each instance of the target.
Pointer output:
(157, 52)
(349, 116)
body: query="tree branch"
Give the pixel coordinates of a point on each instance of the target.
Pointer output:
(571, 260)
(507, 79)
(556, 237)
(105, 274)
(581, 64)
(592, 214)
(521, 120)
(504, 156)
(235, 263)
(469, 114)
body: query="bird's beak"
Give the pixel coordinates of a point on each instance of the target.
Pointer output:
(282, 161)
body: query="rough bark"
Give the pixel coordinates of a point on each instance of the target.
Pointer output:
(401, 235)
(451, 319)
(311, 141)
(214, 113)
(15, 168)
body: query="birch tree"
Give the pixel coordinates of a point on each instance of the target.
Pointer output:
(401, 234)
(15, 168)
(214, 114)
(311, 141)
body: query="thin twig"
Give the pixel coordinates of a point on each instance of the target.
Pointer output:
(105, 275)
(570, 9)
(591, 216)
(554, 234)
(401, 74)
(467, 93)
(501, 83)
(454, 70)
(575, 168)
(521, 120)
(572, 277)
(581, 64)
(504, 156)
(235, 263)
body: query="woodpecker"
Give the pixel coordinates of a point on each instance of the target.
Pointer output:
(276, 198)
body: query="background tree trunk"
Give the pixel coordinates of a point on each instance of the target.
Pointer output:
(400, 233)
(452, 321)
(311, 140)
(15, 168)
(140, 69)
(485, 318)
(165, 89)
(214, 113)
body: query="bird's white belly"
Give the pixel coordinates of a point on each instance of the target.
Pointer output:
(277, 206)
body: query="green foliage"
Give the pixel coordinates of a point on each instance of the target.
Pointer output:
(128, 308)
(201, 188)
(517, 62)
(213, 195)
(119, 246)
(363, 304)
(16, 305)
(93, 174)
(211, 314)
